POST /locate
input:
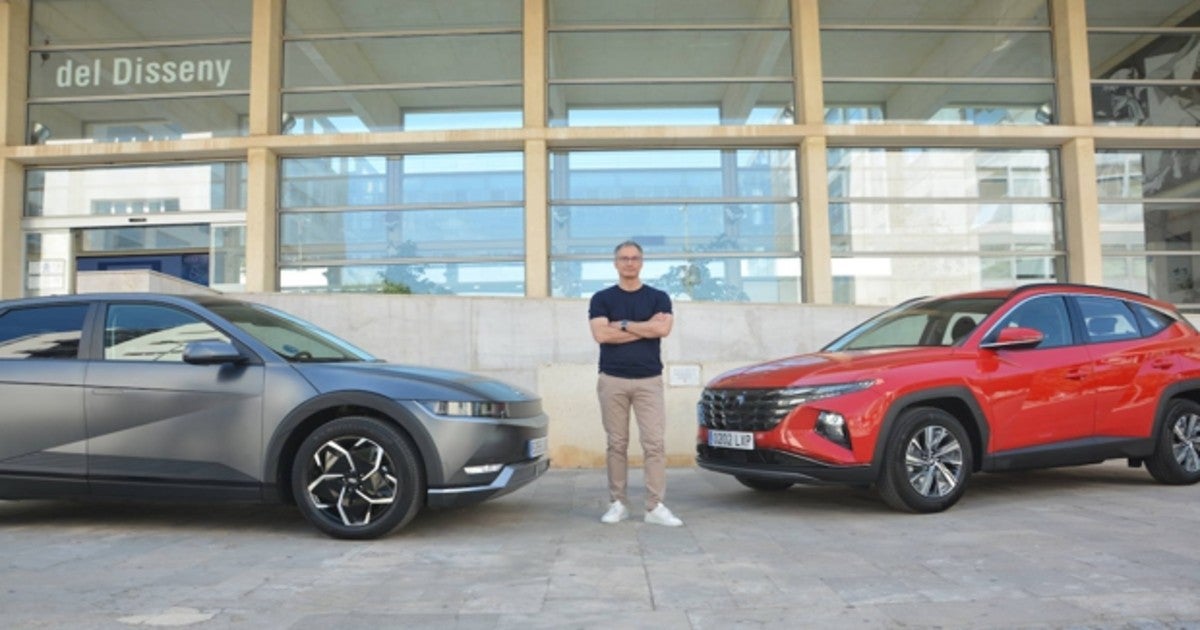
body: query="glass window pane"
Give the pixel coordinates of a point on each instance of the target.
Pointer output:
(144, 238)
(143, 332)
(1172, 278)
(139, 121)
(402, 110)
(657, 54)
(1122, 13)
(455, 178)
(937, 55)
(677, 174)
(945, 173)
(316, 17)
(935, 12)
(1140, 227)
(754, 279)
(624, 104)
(666, 12)
(134, 190)
(499, 279)
(943, 103)
(950, 227)
(380, 61)
(1151, 174)
(435, 233)
(71, 22)
(686, 227)
(889, 280)
(47, 332)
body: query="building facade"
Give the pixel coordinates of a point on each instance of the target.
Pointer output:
(778, 151)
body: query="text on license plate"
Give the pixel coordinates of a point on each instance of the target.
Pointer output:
(536, 447)
(743, 440)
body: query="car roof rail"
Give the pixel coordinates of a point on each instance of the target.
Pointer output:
(1073, 285)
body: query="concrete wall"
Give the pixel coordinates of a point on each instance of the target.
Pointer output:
(545, 345)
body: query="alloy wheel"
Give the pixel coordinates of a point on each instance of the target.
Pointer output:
(1185, 442)
(350, 480)
(934, 461)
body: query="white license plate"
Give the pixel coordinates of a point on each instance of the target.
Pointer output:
(743, 440)
(536, 447)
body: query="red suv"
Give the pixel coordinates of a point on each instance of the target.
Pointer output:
(919, 397)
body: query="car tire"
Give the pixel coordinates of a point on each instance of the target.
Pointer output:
(927, 462)
(764, 485)
(1176, 457)
(357, 478)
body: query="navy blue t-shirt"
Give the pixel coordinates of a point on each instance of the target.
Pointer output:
(636, 359)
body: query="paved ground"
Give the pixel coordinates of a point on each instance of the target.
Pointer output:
(1093, 547)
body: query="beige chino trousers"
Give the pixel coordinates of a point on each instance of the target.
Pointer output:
(645, 396)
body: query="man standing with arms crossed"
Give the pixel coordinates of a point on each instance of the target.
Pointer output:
(628, 320)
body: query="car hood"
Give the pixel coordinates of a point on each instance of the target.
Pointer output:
(827, 367)
(409, 382)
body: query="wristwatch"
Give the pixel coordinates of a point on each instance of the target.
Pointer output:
(624, 324)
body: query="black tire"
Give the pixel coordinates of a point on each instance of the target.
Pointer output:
(358, 478)
(764, 485)
(926, 463)
(1176, 458)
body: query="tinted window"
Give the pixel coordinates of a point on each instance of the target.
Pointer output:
(1046, 314)
(1107, 319)
(1152, 321)
(146, 332)
(44, 332)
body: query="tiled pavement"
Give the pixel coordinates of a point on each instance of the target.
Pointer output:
(1092, 547)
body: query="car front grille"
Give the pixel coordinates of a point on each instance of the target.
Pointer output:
(743, 409)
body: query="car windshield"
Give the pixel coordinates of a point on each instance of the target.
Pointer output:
(291, 338)
(923, 322)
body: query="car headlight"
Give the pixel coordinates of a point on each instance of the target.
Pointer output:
(801, 395)
(470, 408)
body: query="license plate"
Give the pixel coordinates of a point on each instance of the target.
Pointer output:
(536, 447)
(742, 440)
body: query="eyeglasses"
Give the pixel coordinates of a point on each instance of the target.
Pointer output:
(629, 259)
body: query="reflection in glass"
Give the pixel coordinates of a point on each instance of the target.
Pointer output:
(563, 13)
(373, 16)
(997, 103)
(715, 224)
(700, 278)
(498, 279)
(133, 190)
(936, 55)
(432, 233)
(342, 63)
(403, 110)
(1148, 79)
(147, 72)
(1123, 13)
(1174, 277)
(624, 104)
(73, 22)
(444, 178)
(141, 120)
(885, 280)
(945, 226)
(954, 173)
(936, 12)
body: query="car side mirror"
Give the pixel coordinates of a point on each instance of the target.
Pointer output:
(1014, 338)
(211, 352)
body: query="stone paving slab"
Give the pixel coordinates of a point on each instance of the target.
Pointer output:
(1090, 547)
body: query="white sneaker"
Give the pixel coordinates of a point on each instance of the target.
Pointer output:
(616, 513)
(660, 515)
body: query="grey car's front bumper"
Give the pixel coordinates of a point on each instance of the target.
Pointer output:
(511, 477)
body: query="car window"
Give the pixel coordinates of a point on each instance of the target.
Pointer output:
(928, 322)
(150, 332)
(42, 332)
(1151, 320)
(1107, 319)
(1048, 315)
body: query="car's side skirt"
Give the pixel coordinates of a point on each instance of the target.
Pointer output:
(1072, 453)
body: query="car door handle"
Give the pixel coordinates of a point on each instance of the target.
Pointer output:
(1161, 364)
(1077, 375)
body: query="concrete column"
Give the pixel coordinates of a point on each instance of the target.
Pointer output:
(537, 224)
(816, 255)
(1072, 69)
(806, 61)
(266, 67)
(1081, 212)
(262, 221)
(14, 72)
(533, 40)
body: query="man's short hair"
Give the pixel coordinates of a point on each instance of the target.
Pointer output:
(627, 244)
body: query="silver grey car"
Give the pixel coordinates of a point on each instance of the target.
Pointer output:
(147, 396)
